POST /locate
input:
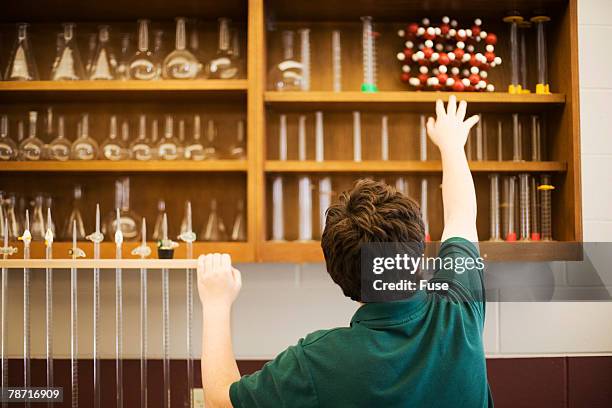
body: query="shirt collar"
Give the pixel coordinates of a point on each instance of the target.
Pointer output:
(389, 312)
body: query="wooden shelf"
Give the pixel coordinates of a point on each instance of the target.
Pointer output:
(409, 100)
(341, 166)
(134, 166)
(305, 252)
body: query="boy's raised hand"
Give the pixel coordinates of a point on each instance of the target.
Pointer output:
(218, 282)
(449, 131)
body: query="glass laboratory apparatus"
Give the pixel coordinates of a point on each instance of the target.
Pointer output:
(214, 229)
(194, 44)
(21, 66)
(181, 139)
(167, 148)
(32, 147)
(59, 46)
(224, 64)
(91, 51)
(129, 221)
(194, 149)
(159, 221)
(237, 150)
(287, 74)
(210, 150)
(13, 222)
(69, 66)
(142, 65)
(239, 226)
(8, 147)
(59, 148)
(237, 52)
(104, 63)
(49, 133)
(369, 56)
(84, 147)
(37, 223)
(141, 149)
(181, 63)
(125, 56)
(75, 217)
(112, 147)
(125, 140)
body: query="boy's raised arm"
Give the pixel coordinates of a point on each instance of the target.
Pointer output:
(449, 132)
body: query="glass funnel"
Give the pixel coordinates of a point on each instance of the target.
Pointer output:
(210, 149)
(214, 230)
(8, 147)
(237, 150)
(112, 147)
(287, 74)
(224, 64)
(69, 66)
(143, 66)
(141, 149)
(59, 148)
(104, 63)
(181, 63)
(194, 149)
(125, 56)
(239, 225)
(84, 147)
(32, 147)
(21, 66)
(129, 221)
(75, 216)
(167, 148)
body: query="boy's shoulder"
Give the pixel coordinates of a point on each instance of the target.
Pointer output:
(316, 337)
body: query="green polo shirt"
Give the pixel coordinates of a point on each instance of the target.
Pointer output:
(426, 351)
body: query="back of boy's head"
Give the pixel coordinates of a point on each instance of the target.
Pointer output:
(371, 211)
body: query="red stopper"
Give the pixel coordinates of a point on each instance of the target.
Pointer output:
(511, 236)
(535, 236)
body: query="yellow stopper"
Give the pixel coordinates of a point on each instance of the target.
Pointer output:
(514, 89)
(543, 89)
(546, 187)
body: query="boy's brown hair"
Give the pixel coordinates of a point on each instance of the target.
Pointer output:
(371, 211)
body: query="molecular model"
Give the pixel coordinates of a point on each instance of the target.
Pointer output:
(447, 58)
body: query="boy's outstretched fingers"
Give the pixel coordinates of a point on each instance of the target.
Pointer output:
(440, 112)
(471, 121)
(461, 110)
(451, 109)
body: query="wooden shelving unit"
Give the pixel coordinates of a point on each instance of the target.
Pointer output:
(134, 166)
(196, 85)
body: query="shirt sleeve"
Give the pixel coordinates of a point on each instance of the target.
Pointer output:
(283, 382)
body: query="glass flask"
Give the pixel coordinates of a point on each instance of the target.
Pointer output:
(210, 149)
(84, 147)
(8, 147)
(91, 51)
(49, 207)
(49, 133)
(143, 66)
(129, 221)
(237, 150)
(214, 230)
(13, 222)
(154, 139)
(237, 52)
(125, 140)
(140, 149)
(224, 64)
(21, 66)
(59, 148)
(104, 63)
(125, 56)
(112, 147)
(159, 49)
(69, 66)
(75, 216)
(159, 221)
(20, 136)
(37, 221)
(287, 74)
(194, 150)
(167, 148)
(181, 63)
(32, 147)
(181, 139)
(194, 45)
(59, 46)
(239, 226)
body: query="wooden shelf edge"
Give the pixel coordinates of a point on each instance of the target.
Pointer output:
(347, 166)
(196, 85)
(126, 166)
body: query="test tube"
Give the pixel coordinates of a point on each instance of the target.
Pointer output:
(494, 208)
(119, 313)
(524, 207)
(302, 138)
(524, 26)
(384, 138)
(369, 56)
(305, 208)
(536, 154)
(485, 139)
(278, 222)
(424, 208)
(479, 140)
(336, 61)
(356, 136)
(27, 239)
(517, 145)
(74, 363)
(542, 87)
(49, 300)
(500, 144)
(305, 57)
(545, 189)
(282, 138)
(534, 201)
(422, 139)
(509, 213)
(514, 21)
(319, 137)
(325, 193)
(166, 322)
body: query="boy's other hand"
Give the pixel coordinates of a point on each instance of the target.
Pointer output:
(218, 282)
(449, 131)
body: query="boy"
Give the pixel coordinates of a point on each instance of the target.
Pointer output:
(424, 351)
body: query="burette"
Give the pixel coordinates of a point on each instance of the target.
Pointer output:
(96, 237)
(27, 239)
(6, 252)
(119, 313)
(49, 301)
(166, 321)
(75, 252)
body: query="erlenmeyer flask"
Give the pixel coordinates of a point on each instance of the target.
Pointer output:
(49, 207)
(123, 65)
(238, 151)
(239, 226)
(84, 147)
(59, 148)
(21, 66)
(167, 148)
(37, 222)
(13, 222)
(194, 150)
(143, 66)
(224, 65)
(214, 229)
(91, 51)
(75, 216)
(69, 66)
(141, 149)
(129, 221)
(185, 224)
(104, 63)
(210, 149)
(32, 147)
(8, 147)
(159, 221)
(111, 148)
(181, 63)
(287, 74)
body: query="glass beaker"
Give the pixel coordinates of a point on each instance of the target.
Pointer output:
(84, 147)
(104, 63)
(112, 147)
(59, 148)
(143, 66)
(75, 217)
(194, 149)
(21, 66)
(167, 148)
(214, 230)
(69, 66)
(32, 147)
(141, 149)
(8, 147)
(287, 74)
(224, 64)
(238, 150)
(181, 63)
(210, 149)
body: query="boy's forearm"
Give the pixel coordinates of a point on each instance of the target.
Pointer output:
(219, 368)
(458, 196)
